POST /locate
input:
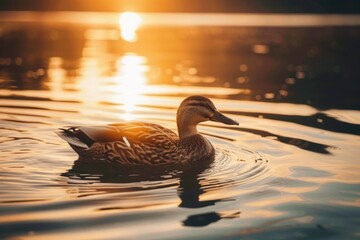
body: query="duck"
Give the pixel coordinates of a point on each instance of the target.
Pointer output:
(142, 143)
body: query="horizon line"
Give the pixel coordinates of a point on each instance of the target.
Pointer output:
(186, 19)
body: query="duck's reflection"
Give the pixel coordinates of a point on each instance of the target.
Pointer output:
(204, 219)
(104, 172)
(189, 187)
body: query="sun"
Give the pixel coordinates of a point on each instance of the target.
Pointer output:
(129, 23)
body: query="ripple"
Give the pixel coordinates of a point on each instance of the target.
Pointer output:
(234, 168)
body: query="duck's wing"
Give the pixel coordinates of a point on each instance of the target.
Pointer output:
(148, 133)
(133, 132)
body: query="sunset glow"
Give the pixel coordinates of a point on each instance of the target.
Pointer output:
(179, 119)
(129, 23)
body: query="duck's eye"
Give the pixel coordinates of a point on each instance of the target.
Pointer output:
(203, 109)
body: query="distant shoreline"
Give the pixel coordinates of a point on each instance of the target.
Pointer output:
(186, 19)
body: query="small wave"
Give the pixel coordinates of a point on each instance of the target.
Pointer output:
(234, 168)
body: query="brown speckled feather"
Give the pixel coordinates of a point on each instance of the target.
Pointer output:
(143, 143)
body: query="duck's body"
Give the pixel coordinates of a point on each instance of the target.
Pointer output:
(147, 143)
(136, 143)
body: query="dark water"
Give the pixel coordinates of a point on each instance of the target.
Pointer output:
(290, 170)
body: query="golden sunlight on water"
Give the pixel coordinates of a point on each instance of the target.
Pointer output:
(56, 75)
(129, 24)
(90, 72)
(131, 76)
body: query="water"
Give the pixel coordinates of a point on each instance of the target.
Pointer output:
(289, 170)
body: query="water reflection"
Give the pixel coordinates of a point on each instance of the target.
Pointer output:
(56, 76)
(300, 143)
(291, 63)
(318, 120)
(136, 178)
(85, 171)
(88, 85)
(91, 82)
(131, 74)
(204, 219)
(190, 189)
(197, 185)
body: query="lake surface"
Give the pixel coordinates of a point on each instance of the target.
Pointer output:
(290, 170)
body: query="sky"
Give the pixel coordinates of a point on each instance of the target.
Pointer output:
(227, 6)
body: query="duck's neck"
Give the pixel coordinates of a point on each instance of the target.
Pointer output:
(186, 130)
(186, 126)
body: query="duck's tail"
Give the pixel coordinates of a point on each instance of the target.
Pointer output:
(71, 137)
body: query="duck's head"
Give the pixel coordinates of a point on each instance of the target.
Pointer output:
(196, 109)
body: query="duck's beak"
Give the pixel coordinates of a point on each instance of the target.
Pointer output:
(219, 117)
